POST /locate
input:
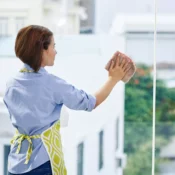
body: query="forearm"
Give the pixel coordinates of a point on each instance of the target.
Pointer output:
(105, 90)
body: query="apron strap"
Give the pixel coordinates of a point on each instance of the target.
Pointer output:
(26, 70)
(20, 137)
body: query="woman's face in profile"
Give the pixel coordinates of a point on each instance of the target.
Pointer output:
(49, 54)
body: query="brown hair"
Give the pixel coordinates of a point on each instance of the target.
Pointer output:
(29, 44)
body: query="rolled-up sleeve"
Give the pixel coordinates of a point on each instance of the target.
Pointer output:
(70, 96)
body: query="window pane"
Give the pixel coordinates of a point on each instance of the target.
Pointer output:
(6, 153)
(101, 142)
(87, 21)
(117, 133)
(80, 159)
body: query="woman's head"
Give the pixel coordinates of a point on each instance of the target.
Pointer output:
(35, 46)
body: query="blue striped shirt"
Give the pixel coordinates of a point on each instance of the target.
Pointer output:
(34, 101)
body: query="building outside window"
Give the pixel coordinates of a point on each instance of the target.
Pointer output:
(3, 26)
(20, 23)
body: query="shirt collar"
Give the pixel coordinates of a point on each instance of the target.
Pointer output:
(41, 70)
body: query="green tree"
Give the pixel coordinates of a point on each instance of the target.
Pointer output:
(139, 107)
(140, 163)
(138, 120)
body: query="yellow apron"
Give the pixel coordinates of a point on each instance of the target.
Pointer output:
(51, 139)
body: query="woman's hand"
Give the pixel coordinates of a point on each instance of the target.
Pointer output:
(118, 67)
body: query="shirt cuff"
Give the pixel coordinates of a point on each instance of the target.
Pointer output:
(92, 103)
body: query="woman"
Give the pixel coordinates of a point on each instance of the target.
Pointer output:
(34, 99)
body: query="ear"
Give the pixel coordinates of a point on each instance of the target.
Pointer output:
(45, 52)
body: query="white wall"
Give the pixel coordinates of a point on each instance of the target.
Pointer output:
(5, 129)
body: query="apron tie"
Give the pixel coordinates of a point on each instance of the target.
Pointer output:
(19, 139)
